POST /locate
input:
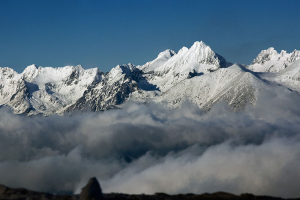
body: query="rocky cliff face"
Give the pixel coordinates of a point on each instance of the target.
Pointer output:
(114, 88)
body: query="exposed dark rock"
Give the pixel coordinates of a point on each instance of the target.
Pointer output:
(92, 191)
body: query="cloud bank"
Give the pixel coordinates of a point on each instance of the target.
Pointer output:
(147, 149)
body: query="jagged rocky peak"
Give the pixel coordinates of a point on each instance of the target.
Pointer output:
(92, 191)
(162, 58)
(271, 61)
(183, 50)
(200, 58)
(7, 72)
(46, 90)
(112, 90)
(266, 55)
(129, 70)
(283, 52)
(80, 70)
(166, 54)
(272, 55)
(79, 67)
(295, 55)
(32, 67)
(30, 72)
(120, 70)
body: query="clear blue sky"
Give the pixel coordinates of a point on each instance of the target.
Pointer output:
(106, 33)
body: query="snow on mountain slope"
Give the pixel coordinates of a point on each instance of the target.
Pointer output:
(111, 91)
(199, 59)
(45, 90)
(9, 83)
(233, 85)
(13, 90)
(162, 58)
(197, 74)
(288, 77)
(271, 61)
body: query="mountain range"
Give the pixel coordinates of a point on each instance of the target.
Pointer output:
(197, 74)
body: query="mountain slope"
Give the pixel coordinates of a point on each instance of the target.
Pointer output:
(199, 59)
(112, 90)
(288, 77)
(44, 90)
(233, 85)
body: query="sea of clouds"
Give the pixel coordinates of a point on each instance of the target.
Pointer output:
(147, 148)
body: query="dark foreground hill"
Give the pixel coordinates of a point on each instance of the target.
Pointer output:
(92, 191)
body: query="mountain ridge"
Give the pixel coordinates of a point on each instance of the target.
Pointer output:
(197, 74)
(271, 61)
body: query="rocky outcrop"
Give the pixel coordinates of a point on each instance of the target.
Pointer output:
(92, 191)
(114, 89)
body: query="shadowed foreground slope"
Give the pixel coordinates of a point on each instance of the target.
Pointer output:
(92, 191)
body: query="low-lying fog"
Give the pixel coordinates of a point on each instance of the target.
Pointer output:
(148, 149)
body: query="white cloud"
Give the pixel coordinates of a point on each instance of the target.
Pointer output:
(147, 149)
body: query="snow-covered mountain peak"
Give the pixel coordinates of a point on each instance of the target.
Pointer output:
(158, 61)
(128, 69)
(283, 52)
(196, 73)
(119, 71)
(79, 68)
(45, 90)
(295, 55)
(271, 61)
(166, 54)
(31, 67)
(203, 54)
(200, 58)
(125, 67)
(199, 44)
(266, 55)
(166, 71)
(6, 71)
(115, 71)
(270, 50)
(200, 48)
(30, 72)
(183, 50)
